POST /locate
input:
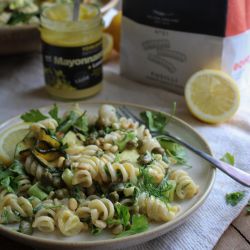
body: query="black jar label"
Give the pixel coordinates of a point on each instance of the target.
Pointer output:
(78, 67)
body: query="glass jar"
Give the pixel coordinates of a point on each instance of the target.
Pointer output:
(72, 51)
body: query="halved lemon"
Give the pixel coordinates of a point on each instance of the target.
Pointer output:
(108, 45)
(9, 139)
(115, 30)
(212, 96)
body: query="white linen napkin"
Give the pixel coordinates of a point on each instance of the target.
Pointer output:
(21, 81)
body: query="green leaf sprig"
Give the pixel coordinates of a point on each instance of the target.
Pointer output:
(234, 198)
(34, 115)
(228, 158)
(157, 121)
(139, 224)
(173, 150)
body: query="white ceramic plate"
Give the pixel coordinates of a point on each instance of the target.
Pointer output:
(202, 173)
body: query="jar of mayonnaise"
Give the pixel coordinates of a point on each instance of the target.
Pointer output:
(72, 51)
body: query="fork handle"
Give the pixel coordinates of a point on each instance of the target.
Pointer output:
(235, 173)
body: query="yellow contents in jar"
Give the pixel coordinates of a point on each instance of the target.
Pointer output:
(72, 51)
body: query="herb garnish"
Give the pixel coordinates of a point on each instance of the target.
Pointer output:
(8, 176)
(234, 198)
(173, 150)
(34, 115)
(228, 158)
(139, 224)
(122, 214)
(157, 121)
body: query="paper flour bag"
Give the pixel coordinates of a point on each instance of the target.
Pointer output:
(165, 41)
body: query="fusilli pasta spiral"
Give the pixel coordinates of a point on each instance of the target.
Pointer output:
(185, 186)
(155, 209)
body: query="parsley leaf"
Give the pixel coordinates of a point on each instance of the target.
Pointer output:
(95, 230)
(8, 176)
(155, 121)
(4, 173)
(17, 168)
(234, 198)
(81, 124)
(173, 149)
(122, 214)
(34, 115)
(139, 224)
(228, 158)
(5, 183)
(54, 113)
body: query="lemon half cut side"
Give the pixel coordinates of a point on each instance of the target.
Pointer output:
(212, 96)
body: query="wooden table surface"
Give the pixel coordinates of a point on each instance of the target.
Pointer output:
(236, 237)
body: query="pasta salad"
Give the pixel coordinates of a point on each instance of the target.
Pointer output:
(86, 173)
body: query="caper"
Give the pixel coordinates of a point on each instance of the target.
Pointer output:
(139, 144)
(158, 150)
(114, 196)
(46, 179)
(62, 193)
(57, 181)
(66, 163)
(145, 159)
(119, 187)
(131, 145)
(90, 141)
(101, 133)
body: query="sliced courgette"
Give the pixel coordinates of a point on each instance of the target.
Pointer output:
(39, 157)
(53, 142)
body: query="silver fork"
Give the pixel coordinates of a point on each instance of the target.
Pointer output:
(235, 173)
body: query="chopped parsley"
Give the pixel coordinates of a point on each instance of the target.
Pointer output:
(139, 224)
(228, 158)
(174, 151)
(157, 121)
(122, 214)
(234, 198)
